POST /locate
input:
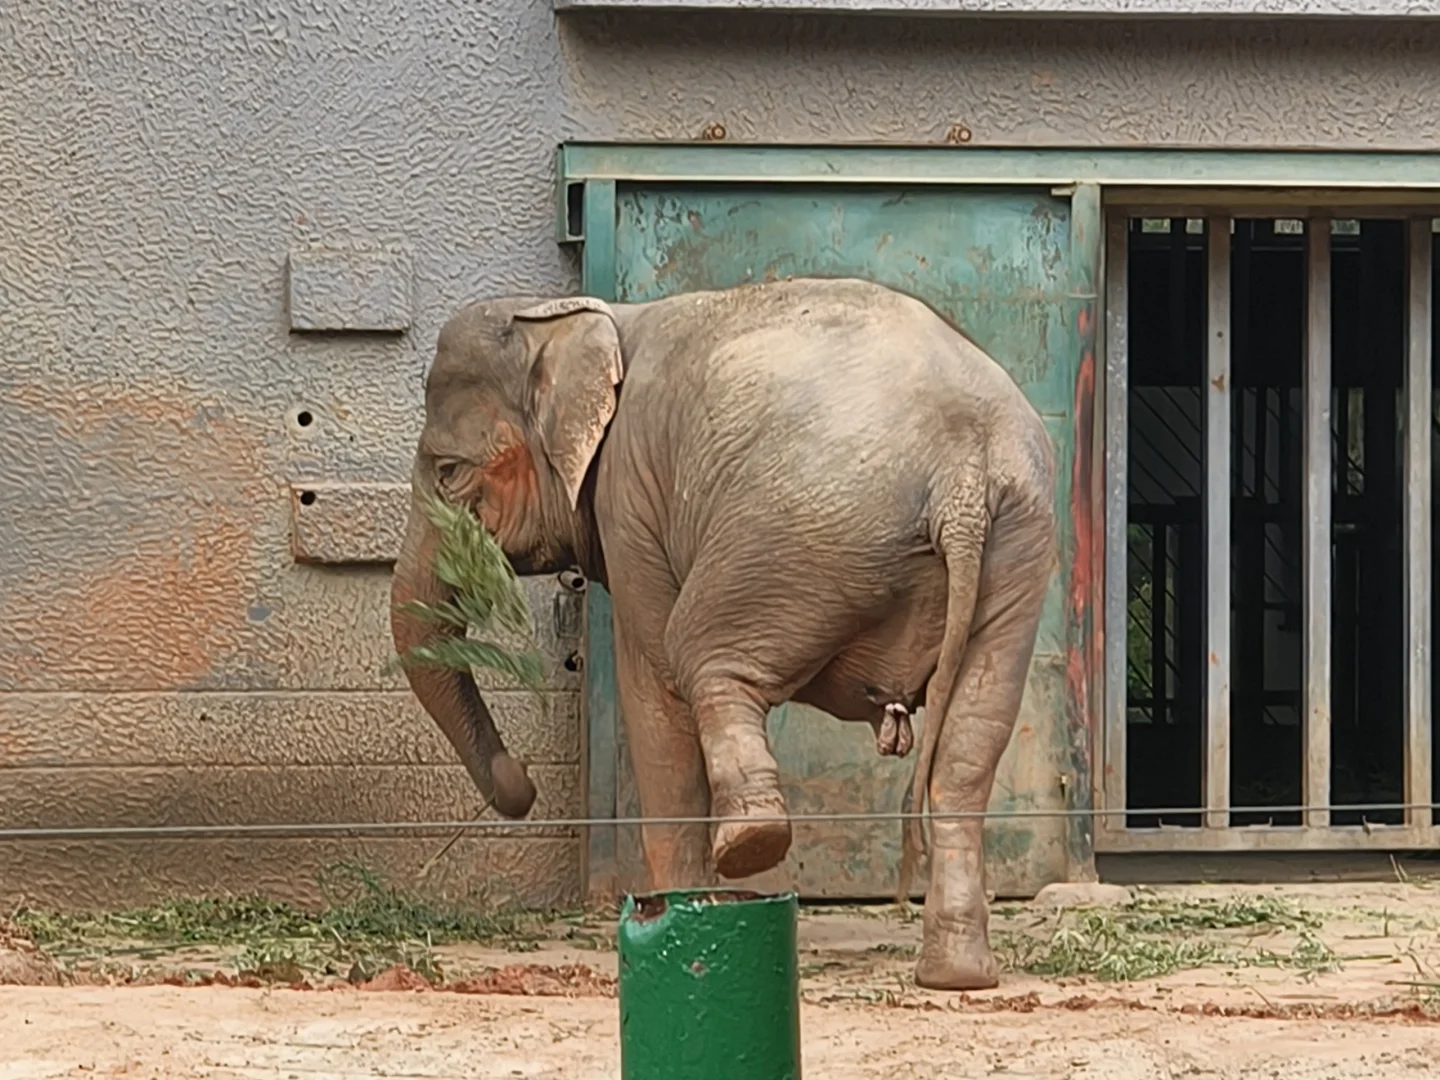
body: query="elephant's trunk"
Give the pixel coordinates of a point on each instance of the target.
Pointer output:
(450, 697)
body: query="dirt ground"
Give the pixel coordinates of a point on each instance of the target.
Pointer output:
(1350, 991)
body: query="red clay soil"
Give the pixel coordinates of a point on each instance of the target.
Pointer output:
(518, 980)
(539, 980)
(22, 964)
(515, 980)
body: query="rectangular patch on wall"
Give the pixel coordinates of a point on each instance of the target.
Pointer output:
(355, 289)
(348, 523)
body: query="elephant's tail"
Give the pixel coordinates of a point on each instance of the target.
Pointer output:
(961, 550)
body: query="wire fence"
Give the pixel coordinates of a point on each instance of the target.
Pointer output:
(479, 824)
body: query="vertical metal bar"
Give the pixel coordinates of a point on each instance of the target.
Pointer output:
(1217, 523)
(600, 707)
(1418, 571)
(1357, 699)
(1117, 488)
(1159, 655)
(1319, 475)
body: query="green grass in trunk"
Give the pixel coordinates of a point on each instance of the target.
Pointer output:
(488, 597)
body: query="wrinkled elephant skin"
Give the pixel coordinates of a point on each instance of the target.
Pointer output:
(812, 490)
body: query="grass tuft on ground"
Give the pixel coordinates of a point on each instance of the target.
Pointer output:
(364, 927)
(1151, 937)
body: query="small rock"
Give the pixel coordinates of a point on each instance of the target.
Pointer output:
(1071, 894)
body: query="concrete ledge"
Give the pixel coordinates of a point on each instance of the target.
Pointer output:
(273, 729)
(354, 289)
(485, 872)
(217, 796)
(1253, 9)
(348, 523)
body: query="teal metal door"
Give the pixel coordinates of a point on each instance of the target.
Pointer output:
(1015, 270)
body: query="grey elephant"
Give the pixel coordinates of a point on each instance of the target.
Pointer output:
(814, 490)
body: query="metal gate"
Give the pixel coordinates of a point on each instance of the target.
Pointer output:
(1207, 634)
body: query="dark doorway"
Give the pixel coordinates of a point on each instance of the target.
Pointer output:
(1167, 478)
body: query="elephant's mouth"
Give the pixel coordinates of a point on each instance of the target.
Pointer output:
(529, 551)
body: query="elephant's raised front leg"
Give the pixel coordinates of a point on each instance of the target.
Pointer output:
(744, 777)
(668, 767)
(1015, 569)
(732, 660)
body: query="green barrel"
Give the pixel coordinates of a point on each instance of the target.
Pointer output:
(709, 986)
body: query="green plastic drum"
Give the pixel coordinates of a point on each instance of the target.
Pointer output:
(709, 986)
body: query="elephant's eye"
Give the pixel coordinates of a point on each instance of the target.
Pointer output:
(446, 471)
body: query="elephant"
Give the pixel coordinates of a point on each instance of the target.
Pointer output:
(812, 489)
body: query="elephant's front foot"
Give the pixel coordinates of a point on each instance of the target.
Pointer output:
(754, 837)
(894, 735)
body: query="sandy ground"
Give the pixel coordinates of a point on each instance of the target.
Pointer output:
(861, 1016)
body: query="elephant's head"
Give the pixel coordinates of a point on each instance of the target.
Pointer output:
(516, 406)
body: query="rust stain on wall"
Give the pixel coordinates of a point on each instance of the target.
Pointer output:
(152, 590)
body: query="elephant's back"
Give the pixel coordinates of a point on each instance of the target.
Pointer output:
(833, 404)
(790, 333)
(823, 366)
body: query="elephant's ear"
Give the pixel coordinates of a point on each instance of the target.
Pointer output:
(572, 383)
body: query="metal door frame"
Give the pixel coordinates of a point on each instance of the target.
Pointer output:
(1150, 181)
(1317, 208)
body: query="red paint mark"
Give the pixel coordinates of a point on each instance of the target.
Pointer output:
(1081, 564)
(1080, 656)
(172, 613)
(509, 487)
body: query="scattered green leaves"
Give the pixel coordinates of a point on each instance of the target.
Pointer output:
(1309, 956)
(1150, 937)
(364, 927)
(487, 597)
(1153, 915)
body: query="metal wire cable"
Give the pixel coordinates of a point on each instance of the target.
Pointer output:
(381, 828)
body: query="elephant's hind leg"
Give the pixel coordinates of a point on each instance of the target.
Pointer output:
(1015, 570)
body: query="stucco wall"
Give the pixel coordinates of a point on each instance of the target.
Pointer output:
(163, 657)
(1393, 9)
(1081, 82)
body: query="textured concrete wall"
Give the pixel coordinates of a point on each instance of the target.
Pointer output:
(164, 657)
(1305, 9)
(813, 78)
